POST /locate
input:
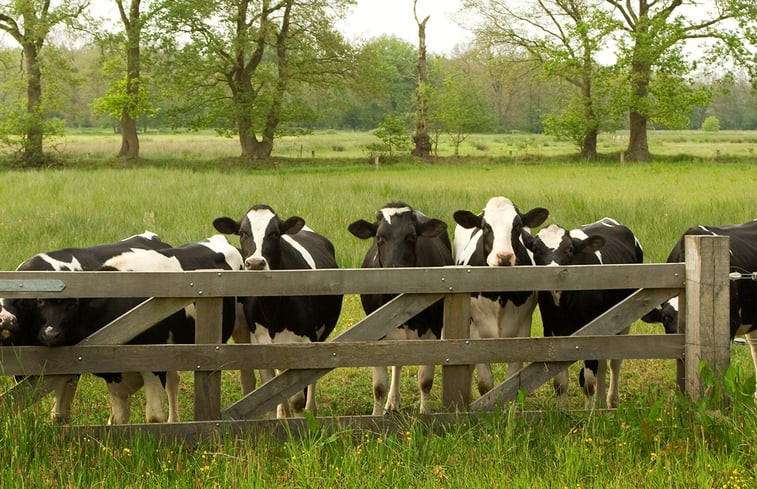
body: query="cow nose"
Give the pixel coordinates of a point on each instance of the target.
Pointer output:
(505, 259)
(255, 263)
(50, 336)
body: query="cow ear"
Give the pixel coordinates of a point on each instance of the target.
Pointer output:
(362, 229)
(467, 219)
(653, 316)
(535, 217)
(226, 225)
(293, 225)
(589, 245)
(432, 228)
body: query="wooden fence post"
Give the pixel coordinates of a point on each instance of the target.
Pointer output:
(707, 308)
(208, 319)
(456, 379)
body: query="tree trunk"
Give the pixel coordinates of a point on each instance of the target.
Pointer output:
(638, 147)
(129, 137)
(32, 147)
(421, 138)
(589, 145)
(265, 147)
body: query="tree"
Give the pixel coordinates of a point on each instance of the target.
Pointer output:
(127, 98)
(657, 68)
(29, 23)
(459, 108)
(243, 57)
(564, 38)
(421, 138)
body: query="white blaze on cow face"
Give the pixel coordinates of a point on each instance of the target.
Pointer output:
(500, 214)
(219, 244)
(389, 212)
(259, 220)
(551, 236)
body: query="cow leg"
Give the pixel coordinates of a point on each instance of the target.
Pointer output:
(484, 324)
(155, 397)
(560, 384)
(426, 378)
(380, 381)
(613, 394)
(600, 397)
(173, 379)
(425, 382)
(64, 387)
(241, 335)
(587, 379)
(751, 338)
(515, 322)
(393, 400)
(120, 396)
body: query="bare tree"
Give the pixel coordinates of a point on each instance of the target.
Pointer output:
(421, 137)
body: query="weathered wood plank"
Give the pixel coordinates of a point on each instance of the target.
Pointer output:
(207, 395)
(707, 308)
(456, 379)
(373, 327)
(212, 357)
(349, 281)
(612, 322)
(136, 321)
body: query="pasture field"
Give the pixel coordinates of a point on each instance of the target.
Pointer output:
(97, 147)
(655, 439)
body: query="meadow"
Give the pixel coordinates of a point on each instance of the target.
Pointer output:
(655, 439)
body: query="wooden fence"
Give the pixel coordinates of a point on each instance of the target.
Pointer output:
(701, 284)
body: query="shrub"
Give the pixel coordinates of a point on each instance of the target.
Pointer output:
(711, 124)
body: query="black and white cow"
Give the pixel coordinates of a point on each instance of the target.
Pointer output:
(743, 293)
(271, 243)
(68, 321)
(497, 237)
(403, 237)
(21, 320)
(565, 312)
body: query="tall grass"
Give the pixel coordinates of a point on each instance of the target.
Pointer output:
(654, 437)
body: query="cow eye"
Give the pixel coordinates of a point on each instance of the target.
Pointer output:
(380, 240)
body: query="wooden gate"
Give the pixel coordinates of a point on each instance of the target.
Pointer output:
(701, 284)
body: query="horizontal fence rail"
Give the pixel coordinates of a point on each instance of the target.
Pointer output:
(92, 359)
(701, 283)
(443, 280)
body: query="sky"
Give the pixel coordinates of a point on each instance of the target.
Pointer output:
(373, 18)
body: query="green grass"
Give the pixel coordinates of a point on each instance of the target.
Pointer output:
(654, 437)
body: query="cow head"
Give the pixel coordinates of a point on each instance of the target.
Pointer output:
(395, 232)
(59, 324)
(554, 245)
(667, 314)
(503, 228)
(8, 326)
(260, 233)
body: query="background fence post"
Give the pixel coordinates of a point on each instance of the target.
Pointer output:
(707, 308)
(456, 379)
(208, 320)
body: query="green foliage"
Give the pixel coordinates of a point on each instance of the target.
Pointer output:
(394, 135)
(711, 124)
(116, 99)
(458, 108)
